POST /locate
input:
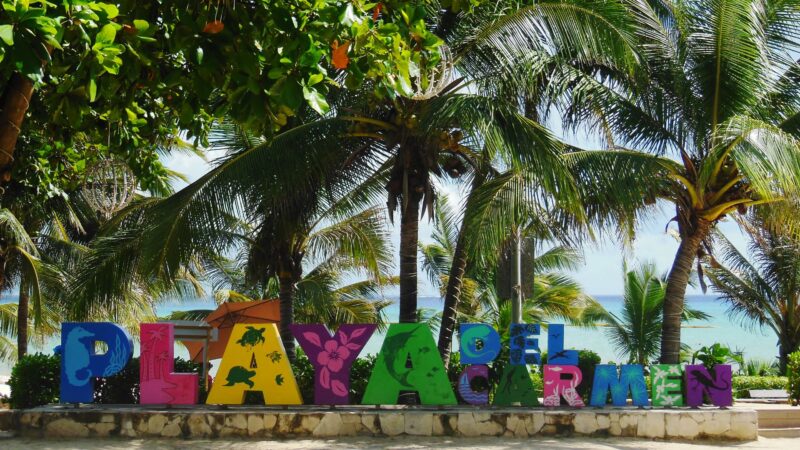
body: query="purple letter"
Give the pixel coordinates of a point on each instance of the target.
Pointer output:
(718, 388)
(332, 358)
(470, 395)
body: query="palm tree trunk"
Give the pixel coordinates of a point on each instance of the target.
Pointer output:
(286, 296)
(516, 301)
(783, 357)
(22, 321)
(13, 106)
(676, 290)
(455, 280)
(409, 241)
(452, 296)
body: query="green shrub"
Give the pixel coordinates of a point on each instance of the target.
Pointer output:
(742, 384)
(793, 378)
(716, 354)
(359, 377)
(35, 381)
(304, 374)
(759, 368)
(538, 382)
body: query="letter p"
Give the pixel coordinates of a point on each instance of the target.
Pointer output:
(80, 362)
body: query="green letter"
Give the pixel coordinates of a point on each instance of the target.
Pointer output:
(516, 387)
(409, 361)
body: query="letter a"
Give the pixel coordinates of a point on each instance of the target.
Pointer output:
(254, 360)
(409, 361)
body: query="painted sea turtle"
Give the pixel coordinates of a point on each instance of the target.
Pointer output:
(252, 337)
(239, 374)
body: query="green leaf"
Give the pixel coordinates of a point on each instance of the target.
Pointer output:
(7, 34)
(315, 78)
(110, 10)
(106, 34)
(199, 55)
(92, 89)
(275, 73)
(316, 100)
(141, 25)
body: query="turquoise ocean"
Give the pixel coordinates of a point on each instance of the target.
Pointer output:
(751, 341)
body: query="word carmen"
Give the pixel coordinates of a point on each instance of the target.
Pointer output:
(255, 360)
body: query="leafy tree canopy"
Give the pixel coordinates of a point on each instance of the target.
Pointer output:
(128, 77)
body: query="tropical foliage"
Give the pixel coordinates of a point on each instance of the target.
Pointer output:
(712, 84)
(145, 71)
(278, 216)
(636, 330)
(555, 295)
(762, 287)
(327, 110)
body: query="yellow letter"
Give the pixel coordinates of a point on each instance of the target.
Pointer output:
(255, 360)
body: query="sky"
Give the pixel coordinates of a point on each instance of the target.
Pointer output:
(601, 272)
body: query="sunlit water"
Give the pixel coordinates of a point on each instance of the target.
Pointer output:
(752, 342)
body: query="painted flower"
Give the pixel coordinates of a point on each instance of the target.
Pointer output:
(333, 355)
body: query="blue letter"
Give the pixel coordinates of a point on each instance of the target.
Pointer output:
(79, 362)
(556, 355)
(524, 348)
(631, 378)
(480, 343)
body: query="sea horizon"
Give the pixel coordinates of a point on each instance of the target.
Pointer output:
(751, 342)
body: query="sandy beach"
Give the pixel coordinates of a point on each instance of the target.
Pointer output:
(392, 443)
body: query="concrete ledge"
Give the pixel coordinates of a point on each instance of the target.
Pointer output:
(248, 422)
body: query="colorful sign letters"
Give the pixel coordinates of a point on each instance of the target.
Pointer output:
(255, 360)
(80, 361)
(630, 379)
(332, 357)
(408, 363)
(157, 383)
(716, 385)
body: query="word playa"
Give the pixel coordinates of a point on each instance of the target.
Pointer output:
(255, 360)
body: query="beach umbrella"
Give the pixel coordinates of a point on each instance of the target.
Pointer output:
(225, 317)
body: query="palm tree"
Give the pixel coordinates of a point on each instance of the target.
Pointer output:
(21, 265)
(636, 331)
(488, 118)
(711, 83)
(506, 51)
(402, 142)
(555, 295)
(280, 212)
(763, 287)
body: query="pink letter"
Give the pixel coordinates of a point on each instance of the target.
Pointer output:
(157, 384)
(555, 386)
(332, 358)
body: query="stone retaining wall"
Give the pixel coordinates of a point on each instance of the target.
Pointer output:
(60, 422)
